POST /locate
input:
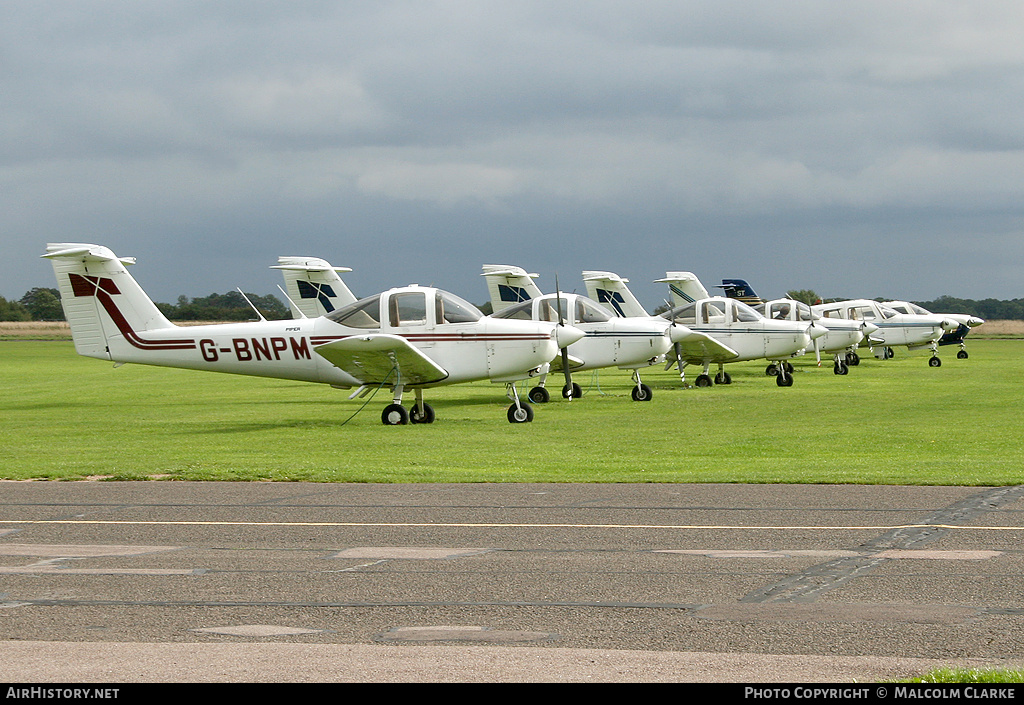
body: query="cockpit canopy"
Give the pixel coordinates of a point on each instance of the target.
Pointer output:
(412, 306)
(574, 309)
(711, 311)
(786, 310)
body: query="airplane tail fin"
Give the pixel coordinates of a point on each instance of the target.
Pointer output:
(685, 287)
(509, 285)
(313, 286)
(101, 299)
(610, 290)
(739, 289)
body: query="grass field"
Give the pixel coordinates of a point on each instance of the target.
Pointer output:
(892, 422)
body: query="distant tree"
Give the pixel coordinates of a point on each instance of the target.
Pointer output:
(806, 296)
(231, 306)
(13, 311)
(43, 304)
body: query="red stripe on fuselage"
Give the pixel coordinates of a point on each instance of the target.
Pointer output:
(102, 289)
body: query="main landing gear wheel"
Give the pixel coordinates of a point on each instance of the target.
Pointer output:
(520, 413)
(889, 353)
(574, 392)
(784, 380)
(394, 415)
(771, 370)
(852, 359)
(539, 395)
(642, 392)
(935, 362)
(702, 381)
(962, 355)
(723, 378)
(426, 417)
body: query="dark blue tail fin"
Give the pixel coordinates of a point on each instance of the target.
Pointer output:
(739, 289)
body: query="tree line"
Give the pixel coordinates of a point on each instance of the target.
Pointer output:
(41, 304)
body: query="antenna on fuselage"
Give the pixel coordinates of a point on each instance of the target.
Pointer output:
(262, 317)
(294, 307)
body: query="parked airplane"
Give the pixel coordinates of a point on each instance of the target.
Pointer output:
(912, 330)
(842, 336)
(721, 330)
(405, 338)
(629, 343)
(964, 321)
(313, 287)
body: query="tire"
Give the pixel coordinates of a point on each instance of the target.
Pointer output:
(934, 362)
(539, 395)
(962, 355)
(703, 381)
(394, 415)
(576, 393)
(523, 413)
(771, 370)
(428, 414)
(784, 380)
(841, 368)
(642, 392)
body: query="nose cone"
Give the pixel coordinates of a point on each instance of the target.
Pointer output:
(868, 328)
(948, 324)
(816, 331)
(567, 335)
(973, 321)
(678, 333)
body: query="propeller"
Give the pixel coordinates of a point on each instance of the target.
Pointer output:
(564, 351)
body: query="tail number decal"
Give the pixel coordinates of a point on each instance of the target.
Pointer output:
(249, 349)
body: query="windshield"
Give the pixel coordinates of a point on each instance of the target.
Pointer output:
(685, 314)
(449, 308)
(520, 312)
(364, 313)
(745, 313)
(589, 311)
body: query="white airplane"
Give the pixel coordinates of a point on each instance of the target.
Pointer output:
(741, 332)
(912, 330)
(964, 321)
(629, 343)
(405, 338)
(313, 287)
(842, 336)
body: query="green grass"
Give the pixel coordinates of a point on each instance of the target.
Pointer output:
(969, 675)
(893, 422)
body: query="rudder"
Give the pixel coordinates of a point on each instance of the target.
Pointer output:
(101, 300)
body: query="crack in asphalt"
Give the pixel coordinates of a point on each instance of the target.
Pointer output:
(807, 585)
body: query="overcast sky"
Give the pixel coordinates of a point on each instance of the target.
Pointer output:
(853, 148)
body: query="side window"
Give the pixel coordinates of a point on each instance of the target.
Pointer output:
(711, 313)
(865, 313)
(408, 308)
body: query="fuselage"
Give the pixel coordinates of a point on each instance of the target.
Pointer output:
(608, 342)
(451, 333)
(840, 333)
(893, 328)
(744, 330)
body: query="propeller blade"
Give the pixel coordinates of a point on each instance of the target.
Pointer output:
(565, 351)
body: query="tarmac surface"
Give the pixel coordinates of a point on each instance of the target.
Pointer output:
(290, 582)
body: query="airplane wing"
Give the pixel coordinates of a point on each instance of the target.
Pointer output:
(702, 347)
(374, 359)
